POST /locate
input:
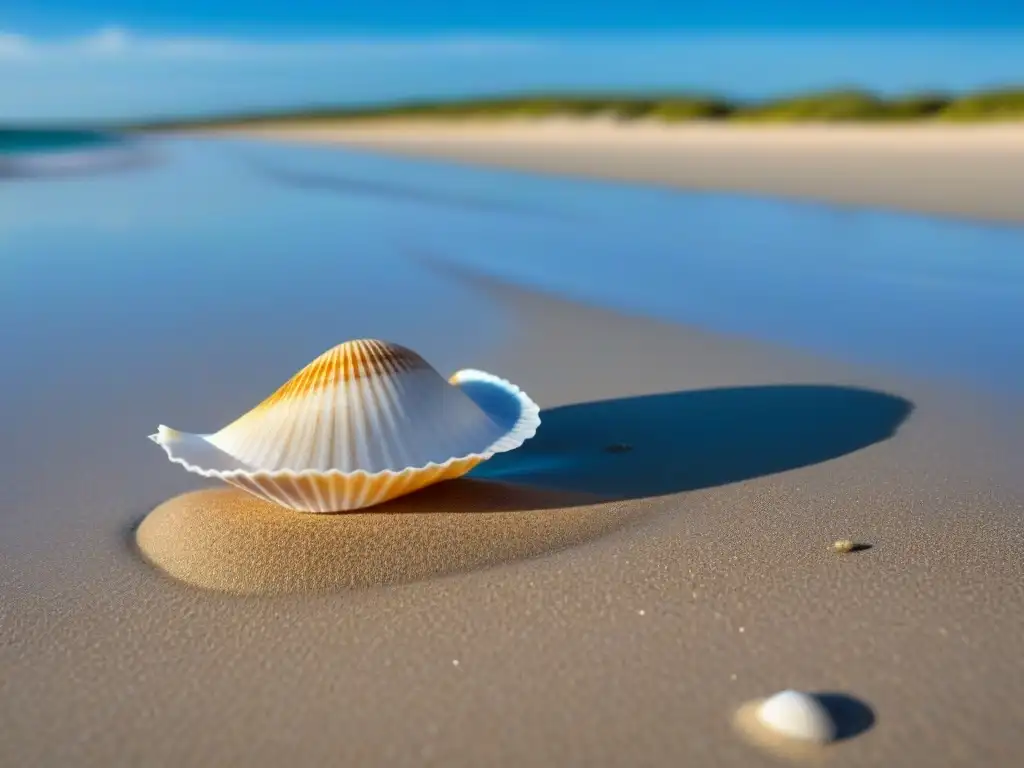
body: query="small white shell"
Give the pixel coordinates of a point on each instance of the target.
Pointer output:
(797, 715)
(365, 422)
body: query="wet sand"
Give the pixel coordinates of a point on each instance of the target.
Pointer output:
(552, 628)
(970, 171)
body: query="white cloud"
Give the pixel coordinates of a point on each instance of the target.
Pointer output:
(117, 42)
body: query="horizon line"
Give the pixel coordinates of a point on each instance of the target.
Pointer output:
(377, 107)
(115, 40)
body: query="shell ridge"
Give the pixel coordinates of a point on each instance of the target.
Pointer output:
(357, 425)
(354, 491)
(330, 443)
(279, 492)
(362, 425)
(347, 408)
(268, 489)
(299, 444)
(339, 455)
(390, 399)
(399, 483)
(379, 433)
(368, 494)
(412, 400)
(335, 492)
(391, 432)
(386, 489)
(304, 449)
(320, 447)
(273, 444)
(268, 445)
(525, 428)
(318, 439)
(302, 493)
(288, 488)
(320, 451)
(316, 492)
(308, 441)
(363, 428)
(399, 392)
(320, 414)
(246, 485)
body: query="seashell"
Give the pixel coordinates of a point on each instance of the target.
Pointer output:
(365, 422)
(797, 715)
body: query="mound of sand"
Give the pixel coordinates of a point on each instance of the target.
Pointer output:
(228, 540)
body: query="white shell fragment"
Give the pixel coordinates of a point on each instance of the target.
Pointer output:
(797, 715)
(365, 422)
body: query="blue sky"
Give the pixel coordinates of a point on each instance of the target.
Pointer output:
(419, 16)
(86, 59)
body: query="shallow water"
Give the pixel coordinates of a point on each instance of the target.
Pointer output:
(915, 294)
(230, 259)
(33, 154)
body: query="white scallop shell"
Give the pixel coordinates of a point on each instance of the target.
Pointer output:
(365, 422)
(797, 715)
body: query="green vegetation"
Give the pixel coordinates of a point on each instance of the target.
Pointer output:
(679, 110)
(860, 106)
(826, 107)
(845, 106)
(993, 105)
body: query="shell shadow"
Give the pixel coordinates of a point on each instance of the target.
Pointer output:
(653, 445)
(851, 716)
(544, 497)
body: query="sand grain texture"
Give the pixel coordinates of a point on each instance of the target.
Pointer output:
(628, 633)
(228, 540)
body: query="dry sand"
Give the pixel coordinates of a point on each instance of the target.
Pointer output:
(971, 171)
(554, 634)
(227, 540)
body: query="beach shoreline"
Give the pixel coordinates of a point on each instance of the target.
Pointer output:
(629, 632)
(968, 171)
(616, 591)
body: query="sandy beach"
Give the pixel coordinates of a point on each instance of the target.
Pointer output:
(971, 171)
(536, 627)
(616, 592)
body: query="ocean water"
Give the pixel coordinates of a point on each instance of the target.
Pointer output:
(27, 153)
(227, 244)
(28, 141)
